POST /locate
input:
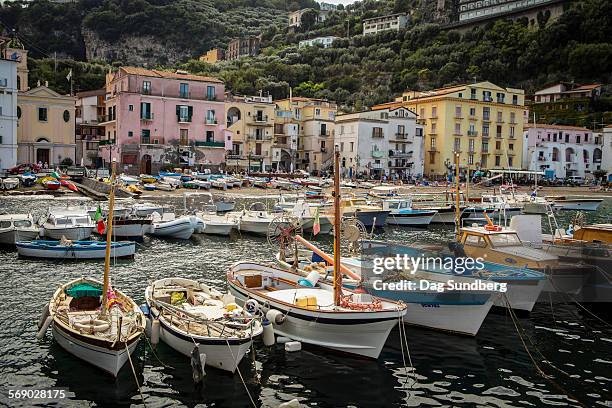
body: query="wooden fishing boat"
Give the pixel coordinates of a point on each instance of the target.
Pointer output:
(93, 321)
(313, 312)
(189, 313)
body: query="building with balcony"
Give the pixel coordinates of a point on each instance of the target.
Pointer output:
(158, 119)
(482, 122)
(381, 142)
(606, 152)
(470, 12)
(10, 59)
(295, 17)
(89, 113)
(250, 119)
(325, 42)
(315, 120)
(376, 25)
(562, 151)
(566, 90)
(242, 47)
(213, 56)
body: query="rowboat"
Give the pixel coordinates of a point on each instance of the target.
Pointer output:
(93, 321)
(194, 315)
(17, 227)
(65, 249)
(68, 184)
(50, 183)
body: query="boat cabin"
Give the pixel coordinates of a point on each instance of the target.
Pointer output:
(503, 245)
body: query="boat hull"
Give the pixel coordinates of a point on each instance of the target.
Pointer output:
(223, 206)
(108, 360)
(219, 353)
(258, 227)
(218, 229)
(28, 250)
(410, 219)
(71, 233)
(361, 336)
(578, 205)
(10, 237)
(522, 295)
(179, 229)
(376, 219)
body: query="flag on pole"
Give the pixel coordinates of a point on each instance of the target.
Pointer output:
(316, 228)
(69, 76)
(98, 219)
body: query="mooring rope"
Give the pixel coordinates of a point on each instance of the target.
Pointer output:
(127, 349)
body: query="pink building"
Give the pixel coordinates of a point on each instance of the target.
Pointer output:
(158, 119)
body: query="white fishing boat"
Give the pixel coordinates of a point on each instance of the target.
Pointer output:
(284, 184)
(307, 214)
(17, 227)
(169, 226)
(315, 312)
(66, 249)
(93, 321)
(578, 204)
(146, 209)
(255, 220)
(9, 183)
(197, 184)
(128, 180)
(202, 316)
(73, 224)
(216, 224)
(357, 324)
(402, 213)
(219, 183)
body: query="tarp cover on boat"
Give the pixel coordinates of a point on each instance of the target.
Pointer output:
(84, 289)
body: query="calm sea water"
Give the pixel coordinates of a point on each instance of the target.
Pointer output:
(492, 369)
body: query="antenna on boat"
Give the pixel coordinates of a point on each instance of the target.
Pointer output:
(337, 273)
(109, 236)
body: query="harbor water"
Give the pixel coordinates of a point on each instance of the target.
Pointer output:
(569, 345)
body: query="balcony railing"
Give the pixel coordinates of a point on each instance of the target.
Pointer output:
(472, 133)
(401, 136)
(486, 118)
(211, 121)
(399, 153)
(201, 143)
(377, 154)
(324, 133)
(147, 118)
(260, 119)
(421, 121)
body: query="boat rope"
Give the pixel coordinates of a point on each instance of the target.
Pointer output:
(127, 349)
(573, 300)
(240, 373)
(541, 372)
(155, 354)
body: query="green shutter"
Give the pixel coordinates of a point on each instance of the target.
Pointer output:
(189, 113)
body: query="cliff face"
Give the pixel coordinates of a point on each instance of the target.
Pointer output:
(132, 50)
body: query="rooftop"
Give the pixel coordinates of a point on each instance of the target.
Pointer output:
(559, 127)
(155, 73)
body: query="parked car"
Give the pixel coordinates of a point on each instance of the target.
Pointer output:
(22, 168)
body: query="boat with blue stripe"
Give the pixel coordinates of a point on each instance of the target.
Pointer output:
(66, 249)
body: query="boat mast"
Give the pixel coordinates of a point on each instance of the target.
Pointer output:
(337, 273)
(457, 199)
(109, 236)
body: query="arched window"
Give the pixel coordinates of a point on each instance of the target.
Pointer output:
(42, 140)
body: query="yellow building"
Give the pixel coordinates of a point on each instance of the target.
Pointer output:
(315, 119)
(46, 129)
(250, 119)
(214, 55)
(482, 122)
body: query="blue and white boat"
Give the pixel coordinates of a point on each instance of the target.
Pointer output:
(402, 213)
(66, 249)
(523, 285)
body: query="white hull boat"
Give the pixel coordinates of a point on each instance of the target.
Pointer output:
(74, 250)
(578, 204)
(79, 328)
(75, 225)
(225, 206)
(362, 332)
(131, 227)
(223, 331)
(17, 227)
(170, 227)
(10, 183)
(216, 224)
